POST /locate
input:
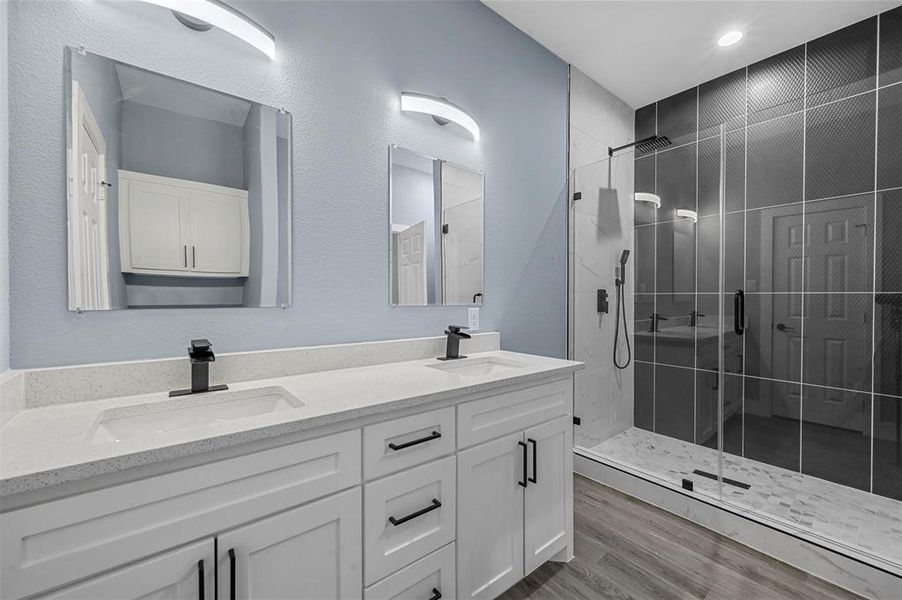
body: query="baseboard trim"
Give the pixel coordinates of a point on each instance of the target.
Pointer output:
(821, 561)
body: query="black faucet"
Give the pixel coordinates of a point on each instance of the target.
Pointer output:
(454, 333)
(656, 318)
(201, 355)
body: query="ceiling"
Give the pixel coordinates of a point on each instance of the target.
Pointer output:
(643, 51)
(150, 89)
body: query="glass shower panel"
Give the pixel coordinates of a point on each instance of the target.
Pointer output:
(601, 229)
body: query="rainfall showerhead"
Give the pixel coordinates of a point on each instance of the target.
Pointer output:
(645, 145)
(653, 143)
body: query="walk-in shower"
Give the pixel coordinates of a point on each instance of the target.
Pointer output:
(765, 297)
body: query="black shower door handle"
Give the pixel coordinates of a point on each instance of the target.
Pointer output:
(739, 312)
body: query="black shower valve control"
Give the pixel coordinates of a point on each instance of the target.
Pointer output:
(601, 302)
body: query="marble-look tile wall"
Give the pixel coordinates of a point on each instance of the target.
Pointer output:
(812, 173)
(600, 229)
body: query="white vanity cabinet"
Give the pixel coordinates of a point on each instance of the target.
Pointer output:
(182, 574)
(517, 512)
(312, 551)
(182, 228)
(456, 501)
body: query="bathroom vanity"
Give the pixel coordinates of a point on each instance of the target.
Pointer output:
(415, 479)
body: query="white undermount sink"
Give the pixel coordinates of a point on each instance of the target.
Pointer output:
(476, 367)
(185, 412)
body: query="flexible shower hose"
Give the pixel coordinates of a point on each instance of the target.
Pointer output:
(621, 305)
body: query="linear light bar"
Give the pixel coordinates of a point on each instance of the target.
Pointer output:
(225, 17)
(646, 197)
(688, 214)
(442, 109)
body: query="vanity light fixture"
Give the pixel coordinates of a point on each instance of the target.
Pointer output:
(441, 110)
(729, 38)
(223, 16)
(687, 214)
(647, 197)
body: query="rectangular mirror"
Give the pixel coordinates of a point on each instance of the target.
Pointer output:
(177, 195)
(436, 231)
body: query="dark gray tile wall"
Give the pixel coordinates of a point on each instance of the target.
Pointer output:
(813, 236)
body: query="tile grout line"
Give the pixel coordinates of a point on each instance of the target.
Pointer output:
(874, 259)
(745, 206)
(695, 284)
(804, 248)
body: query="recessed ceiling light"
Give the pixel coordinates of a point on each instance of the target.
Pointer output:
(729, 38)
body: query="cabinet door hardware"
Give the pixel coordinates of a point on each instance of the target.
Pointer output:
(398, 521)
(193, 257)
(436, 595)
(186, 256)
(535, 447)
(525, 479)
(200, 579)
(232, 561)
(432, 436)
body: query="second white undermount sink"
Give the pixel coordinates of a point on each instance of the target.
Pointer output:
(476, 367)
(189, 411)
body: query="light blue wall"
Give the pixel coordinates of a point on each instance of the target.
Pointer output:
(4, 194)
(169, 144)
(339, 71)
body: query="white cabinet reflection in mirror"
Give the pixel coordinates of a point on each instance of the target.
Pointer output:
(182, 228)
(178, 195)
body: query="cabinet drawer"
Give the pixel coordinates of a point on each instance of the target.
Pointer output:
(419, 581)
(51, 544)
(394, 445)
(407, 516)
(482, 420)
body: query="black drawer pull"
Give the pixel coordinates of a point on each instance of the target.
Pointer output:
(232, 574)
(436, 595)
(432, 436)
(200, 579)
(522, 444)
(435, 504)
(534, 460)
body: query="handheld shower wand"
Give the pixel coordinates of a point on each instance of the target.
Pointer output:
(620, 282)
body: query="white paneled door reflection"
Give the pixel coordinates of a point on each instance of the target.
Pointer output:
(412, 265)
(88, 266)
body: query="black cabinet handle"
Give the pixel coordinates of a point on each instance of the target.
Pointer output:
(535, 447)
(232, 561)
(432, 436)
(200, 579)
(739, 312)
(398, 521)
(193, 257)
(523, 483)
(436, 595)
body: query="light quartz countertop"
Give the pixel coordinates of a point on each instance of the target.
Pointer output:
(50, 445)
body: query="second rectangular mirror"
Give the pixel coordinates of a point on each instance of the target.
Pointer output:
(436, 231)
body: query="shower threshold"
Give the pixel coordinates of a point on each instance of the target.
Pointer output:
(857, 524)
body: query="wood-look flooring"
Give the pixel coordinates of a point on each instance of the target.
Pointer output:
(626, 548)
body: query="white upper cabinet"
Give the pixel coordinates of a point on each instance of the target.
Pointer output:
(182, 228)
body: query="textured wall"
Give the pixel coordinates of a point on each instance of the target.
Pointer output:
(339, 71)
(600, 229)
(4, 194)
(812, 144)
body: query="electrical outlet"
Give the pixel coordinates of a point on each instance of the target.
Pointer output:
(473, 319)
